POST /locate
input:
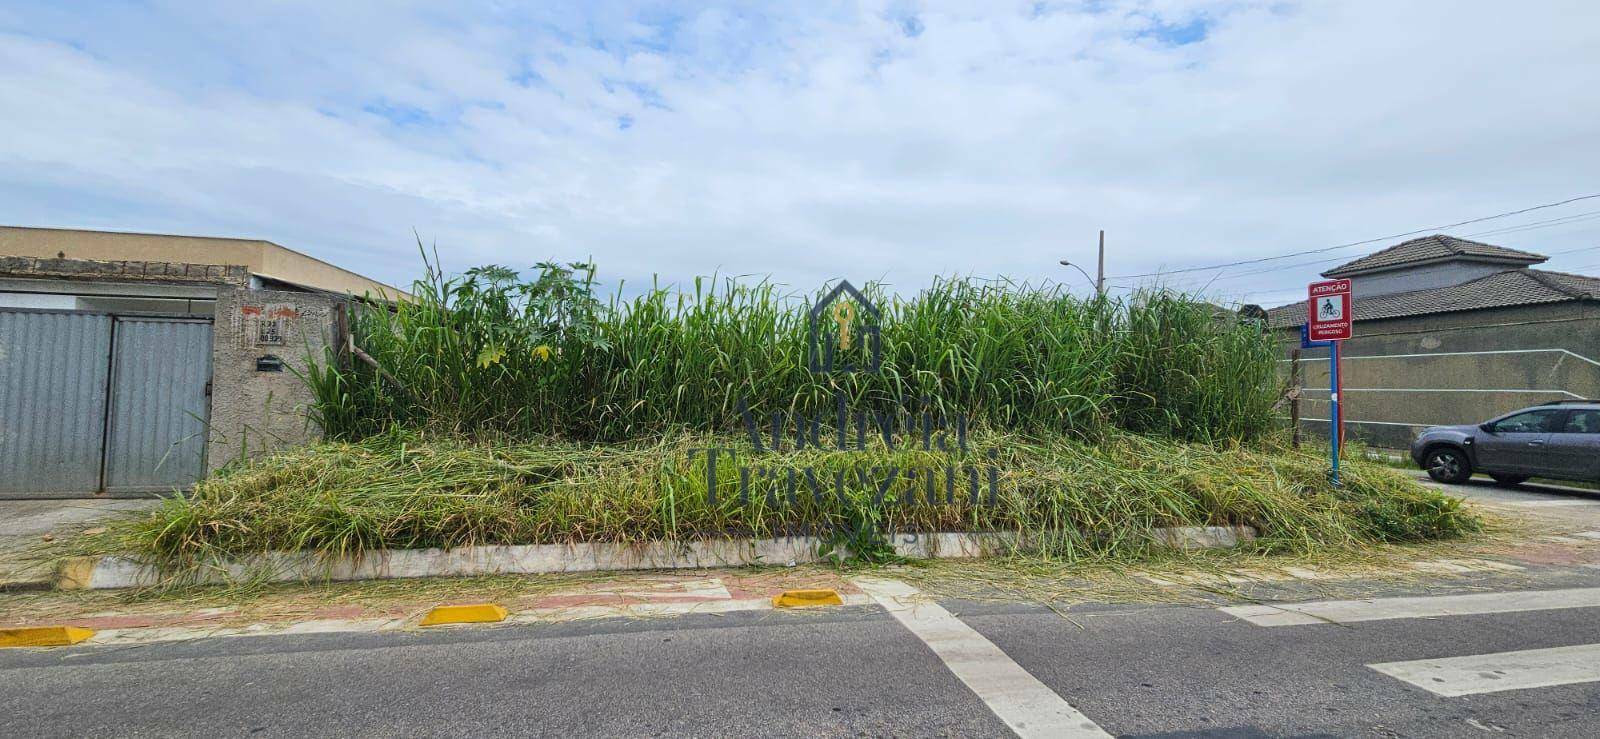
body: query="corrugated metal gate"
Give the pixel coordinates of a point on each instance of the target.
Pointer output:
(53, 373)
(93, 403)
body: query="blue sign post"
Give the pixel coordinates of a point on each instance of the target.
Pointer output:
(1334, 420)
(1329, 320)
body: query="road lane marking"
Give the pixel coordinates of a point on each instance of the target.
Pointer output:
(1490, 673)
(1026, 705)
(1554, 503)
(1379, 609)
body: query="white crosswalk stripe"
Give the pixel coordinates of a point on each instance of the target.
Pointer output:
(1489, 673)
(1452, 676)
(1026, 705)
(1378, 609)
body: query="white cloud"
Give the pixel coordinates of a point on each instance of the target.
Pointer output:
(899, 139)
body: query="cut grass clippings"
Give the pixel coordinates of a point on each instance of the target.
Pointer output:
(1188, 577)
(1065, 500)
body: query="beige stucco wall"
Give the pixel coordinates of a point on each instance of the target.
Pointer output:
(260, 257)
(252, 411)
(1507, 350)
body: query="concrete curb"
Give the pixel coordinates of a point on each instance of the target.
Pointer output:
(1204, 537)
(99, 573)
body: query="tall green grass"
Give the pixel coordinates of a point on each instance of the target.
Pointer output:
(486, 353)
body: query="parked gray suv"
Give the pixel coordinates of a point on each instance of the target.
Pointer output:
(1559, 440)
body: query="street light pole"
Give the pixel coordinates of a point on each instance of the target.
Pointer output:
(1086, 276)
(1098, 282)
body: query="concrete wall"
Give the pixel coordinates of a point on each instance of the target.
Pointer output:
(257, 256)
(1384, 380)
(251, 411)
(137, 271)
(123, 286)
(1424, 277)
(254, 411)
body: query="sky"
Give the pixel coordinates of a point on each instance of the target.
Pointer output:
(893, 140)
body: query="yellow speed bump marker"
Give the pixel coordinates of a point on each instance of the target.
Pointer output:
(807, 598)
(43, 636)
(476, 613)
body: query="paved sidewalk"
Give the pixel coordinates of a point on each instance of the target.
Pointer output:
(1459, 654)
(128, 617)
(30, 529)
(400, 605)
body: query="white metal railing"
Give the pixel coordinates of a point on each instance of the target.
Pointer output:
(1376, 423)
(1569, 353)
(1439, 390)
(1563, 352)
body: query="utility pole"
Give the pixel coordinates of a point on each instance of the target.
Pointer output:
(1100, 274)
(1098, 282)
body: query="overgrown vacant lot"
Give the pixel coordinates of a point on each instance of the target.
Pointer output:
(1070, 499)
(493, 410)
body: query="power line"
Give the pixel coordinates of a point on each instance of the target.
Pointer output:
(1575, 251)
(1265, 270)
(1269, 292)
(1362, 242)
(1535, 225)
(1249, 273)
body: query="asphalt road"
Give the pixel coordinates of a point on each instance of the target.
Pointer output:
(852, 671)
(1453, 658)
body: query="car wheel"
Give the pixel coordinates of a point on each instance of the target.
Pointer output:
(1507, 481)
(1447, 464)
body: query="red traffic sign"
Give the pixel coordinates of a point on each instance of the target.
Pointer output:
(1329, 307)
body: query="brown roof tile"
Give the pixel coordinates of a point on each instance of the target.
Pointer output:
(1437, 247)
(1501, 290)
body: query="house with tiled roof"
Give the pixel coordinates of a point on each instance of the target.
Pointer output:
(1449, 330)
(1444, 274)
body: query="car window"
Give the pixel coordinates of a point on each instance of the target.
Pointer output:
(1530, 422)
(1583, 422)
